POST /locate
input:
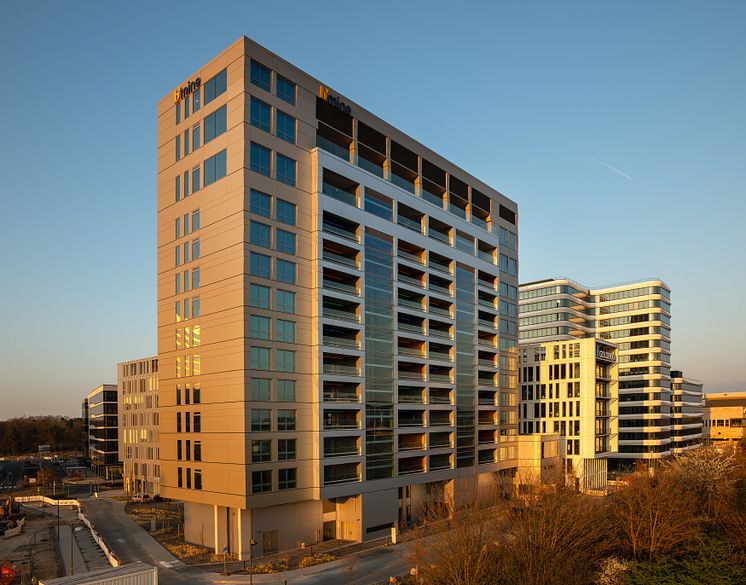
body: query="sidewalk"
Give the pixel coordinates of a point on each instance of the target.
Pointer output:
(71, 556)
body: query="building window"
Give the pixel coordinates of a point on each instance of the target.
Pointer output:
(195, 249)
(259, 358)
(286, 301)
(178, 187)
(285, 127)
(178, 147)
(259, 296)
(260, 389)
(195, 180)
(286, 449)
(260, 234)
(260, 75)
(197, 479)
(189, 478)
(215, 168)
(260, 203)
(285, 360)
(196, 307)
(261, 420)
(195, 220)
(195, 277)
(178, 256)
(285, 242)
(216, 86)
(286, 271)
(285, 331)
(287, 478)
(261, 451)
(285, 90)
(215, 124)
(285, 420)
(285, 212)
(285, 170)
(196, 98)
(260, 159)
(178, 113)
(259, 327)
(260, 114)
(195, 137)
(186, 184)
(196, 393)
(179, 477)
(286, 390)
(178, 227)
(197, 422)
(198, 450)
(261, 481)
(186, 142)
(259, 265)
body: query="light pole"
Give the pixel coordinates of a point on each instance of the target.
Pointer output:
(225, 560)
(252, 544)
(72, 561)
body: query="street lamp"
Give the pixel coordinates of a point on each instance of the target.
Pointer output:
(225, 560)
(252, 544)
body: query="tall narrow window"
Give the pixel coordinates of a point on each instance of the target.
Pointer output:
(260, 159)
(195, 179)
(285, 169)
(260, 75)
(285, 89)
(260, 114)
(285, 127)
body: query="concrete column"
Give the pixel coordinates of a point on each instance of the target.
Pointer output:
(239, 535)
(216, 524)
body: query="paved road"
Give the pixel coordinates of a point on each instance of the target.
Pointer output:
(131, 543)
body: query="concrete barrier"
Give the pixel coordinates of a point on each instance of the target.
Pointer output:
(15, 531)
(113, 560)
(48, 501)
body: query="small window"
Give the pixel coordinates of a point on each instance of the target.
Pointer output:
(286, 271)
(286, 301)
(178, 187)
(260, 75)
(285, 212)
(260, 389)
(286, 449)
(260, 159)
(285, 90)
(195, 249)
(260, 203)
(261, 420)
(260, 234)
(259, 327)
(285, 169)
(215, 168)
(285, 242)
(259, 296)
(259, 265)
(285, 127)
(195, 137)
(285, 420)
(259, 358)
(261, 451)
(216, 86)
(197, 478)
(285, 360)
(261, 481)
(195, 278)
(286, 390)
(178, 147)
(196, 98)
(196, 307)
(260, 114)
(195, 179)
(286, 478)
(195, 220)
(285, 331)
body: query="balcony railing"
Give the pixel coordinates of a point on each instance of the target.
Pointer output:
(405, 375)
(341, 342)
(342, 287)
(410, 280)
(439, 311)
(340, 259)
(337, 314)
(409, 223)
(342, 233)
(339, 369)
(436, 235)
(340, 194)
(417, 259)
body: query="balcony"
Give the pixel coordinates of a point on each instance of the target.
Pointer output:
(343, 337)
(412, 442)
(440, 418)
(441, 396)
(339, 226)
(411, 395)
(411, 418)
(440, 461)
(340, 365)
(340, 188)
(439, 231)
(486, 437)
(341, 420)
(411, 252)
(341, 391)
(339, 309)
(410, 465)
(340, 281)
(341, 446)
(411, 277)
(440, 263)
(340, 254)
(441, 440)
(409, 218)
(344, 473)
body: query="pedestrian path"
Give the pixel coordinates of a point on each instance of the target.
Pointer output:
(72, 559)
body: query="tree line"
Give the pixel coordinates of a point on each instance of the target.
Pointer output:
(683, 522)
(23, 435)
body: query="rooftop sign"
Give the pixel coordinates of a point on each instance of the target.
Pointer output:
(188, 89)
(333, 101)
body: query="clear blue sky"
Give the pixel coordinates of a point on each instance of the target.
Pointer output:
(618, 127)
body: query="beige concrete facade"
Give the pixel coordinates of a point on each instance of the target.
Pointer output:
(571, 388)
(725, 418)
(138, 425)
(636, 316)
(352, 328)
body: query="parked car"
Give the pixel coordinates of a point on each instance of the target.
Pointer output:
(140, 498)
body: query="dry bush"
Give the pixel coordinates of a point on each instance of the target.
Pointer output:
(316, 559)
(556, 537)
(655, 516)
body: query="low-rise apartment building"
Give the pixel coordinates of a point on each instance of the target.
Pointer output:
(725, 418)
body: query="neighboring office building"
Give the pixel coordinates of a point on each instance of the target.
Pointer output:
(332, 297)
(637, 318)
(725, 418)
(84, 414)
(103, 447)
(138, 425)
(686, 412)
(571, 388)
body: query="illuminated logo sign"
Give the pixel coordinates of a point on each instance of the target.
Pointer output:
(335, 102)
(605, 353)
(188, 89)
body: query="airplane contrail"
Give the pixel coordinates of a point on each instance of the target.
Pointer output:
(617, 171)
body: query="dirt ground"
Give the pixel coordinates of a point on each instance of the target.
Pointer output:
(32, 552)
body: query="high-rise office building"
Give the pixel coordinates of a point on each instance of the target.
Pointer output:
(337, 312)
(138, 425)
(570, 388)
(636, 317)
(686, 412)
(103, 448)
